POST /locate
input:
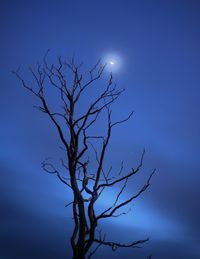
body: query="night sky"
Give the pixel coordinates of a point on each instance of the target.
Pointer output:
(156, 48)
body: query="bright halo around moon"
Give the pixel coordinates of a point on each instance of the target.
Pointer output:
(113, 62)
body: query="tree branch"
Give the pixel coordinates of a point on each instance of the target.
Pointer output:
(115, 245)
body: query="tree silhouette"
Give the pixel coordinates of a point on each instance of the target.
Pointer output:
(78, 144)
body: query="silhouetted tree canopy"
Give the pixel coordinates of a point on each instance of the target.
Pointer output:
(78, 143)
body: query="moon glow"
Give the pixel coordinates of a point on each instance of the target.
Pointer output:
(113, 62)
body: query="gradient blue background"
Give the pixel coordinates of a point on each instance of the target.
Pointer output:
(158, 42)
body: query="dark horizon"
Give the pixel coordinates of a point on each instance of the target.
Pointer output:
(155, 45)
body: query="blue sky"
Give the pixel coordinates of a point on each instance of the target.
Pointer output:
(157, 43)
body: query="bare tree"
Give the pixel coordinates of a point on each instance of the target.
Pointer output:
(78, 143)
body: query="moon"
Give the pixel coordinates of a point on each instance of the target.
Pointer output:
(113, 62)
